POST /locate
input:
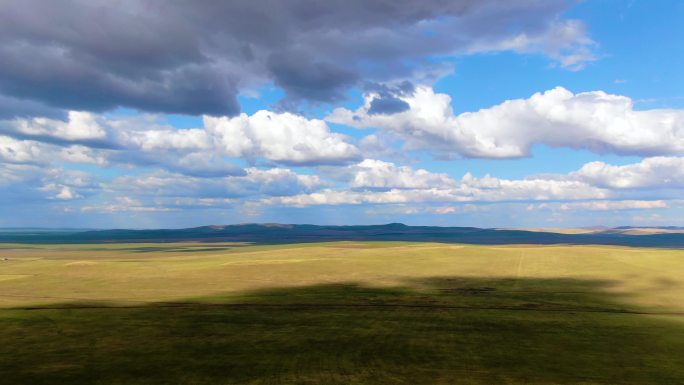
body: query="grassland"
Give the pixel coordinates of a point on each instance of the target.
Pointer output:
(340, 313)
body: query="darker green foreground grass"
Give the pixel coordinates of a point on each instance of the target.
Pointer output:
(439, 331)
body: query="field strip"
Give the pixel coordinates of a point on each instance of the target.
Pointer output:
(327, 306)
(69, 298)
(275, 261)
(619, 259)
(7, 277)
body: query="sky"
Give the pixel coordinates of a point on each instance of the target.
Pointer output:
(495, 113)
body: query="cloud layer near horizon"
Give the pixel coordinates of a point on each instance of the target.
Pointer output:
(201, 167)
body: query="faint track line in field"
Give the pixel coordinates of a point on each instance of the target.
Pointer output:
(518, 272)
(328, 306)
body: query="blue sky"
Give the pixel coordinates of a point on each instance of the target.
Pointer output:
(472, 113)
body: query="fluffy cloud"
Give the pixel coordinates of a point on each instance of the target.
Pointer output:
(60, 192)
(79, 127)
(532, 188)
(374, 182)
(33, 152)
(147, 140)
(256, 182)
(653, 173)
(19, 151)
(373, 173)
(168, 138)
(596, 121)
(164, 192)
(125, 204)
(186, 57)
(596, 187)
(29, 183)
(615, 205)
(83, 155)
(280, 137)
(602, 205)
(468, 189)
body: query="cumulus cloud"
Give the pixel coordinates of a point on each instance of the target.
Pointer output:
(615, 205)
(148, 141)
(407, 209)
(125, 204)
(26, 183)
(374, 182)
(20, 151)
(596, 121)
(595, 187)
(83, 155)
(192, 58)
(652, 173)
(601, 205)
(80, 126)
(164, 138)
(281, 137)
(256, 182)
(372, 173)
(38, 153)
(468, 189)
(60, 192)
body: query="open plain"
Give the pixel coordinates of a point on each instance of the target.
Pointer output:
(340, 313)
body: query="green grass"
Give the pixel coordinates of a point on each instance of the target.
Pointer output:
(341, 313)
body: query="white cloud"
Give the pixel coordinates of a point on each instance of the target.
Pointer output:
(279, 181)
(125, 204)
(20, 151)
(14, 175)
(83, 154)
(653, 173)
(615, 205)
(147, 140)
(194, 139)
(33, 152)
(417, 209)
(596, 121)
(381, 147)
(602, 205)
(280, 137)
(373, 173)
(29, 182)
(566, 41)
(468, 189)
(66, 193)
(533, 188)
(256, 183)
(80, 126)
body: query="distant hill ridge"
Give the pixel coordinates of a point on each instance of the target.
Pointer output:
(276, 233)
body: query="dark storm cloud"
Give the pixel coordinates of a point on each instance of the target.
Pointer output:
(194, 57)
(13, 107)
(388, 105)
(305, 78)
(387, 99)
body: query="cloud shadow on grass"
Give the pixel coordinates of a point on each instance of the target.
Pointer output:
(426, 331)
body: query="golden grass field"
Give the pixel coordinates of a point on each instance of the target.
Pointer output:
(123, 273)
